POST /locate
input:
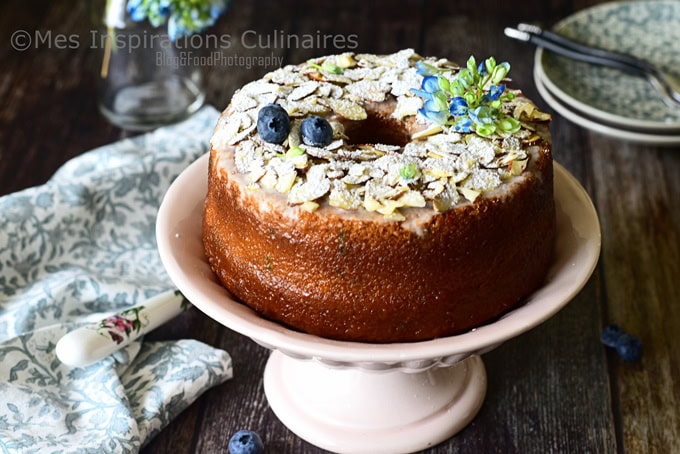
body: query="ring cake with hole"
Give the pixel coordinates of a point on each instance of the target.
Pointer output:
(381, 198)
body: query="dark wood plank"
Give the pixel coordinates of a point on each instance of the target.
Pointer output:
(637, 195)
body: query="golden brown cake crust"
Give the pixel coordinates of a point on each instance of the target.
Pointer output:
(359, 280)
(360, 276)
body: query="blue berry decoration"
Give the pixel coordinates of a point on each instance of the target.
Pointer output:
(628, 347)
(273, 123)
(316, 131)
(246, 442)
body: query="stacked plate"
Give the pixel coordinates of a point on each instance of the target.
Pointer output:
(606, 100)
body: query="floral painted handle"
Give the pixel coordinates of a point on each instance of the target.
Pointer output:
(91, 343)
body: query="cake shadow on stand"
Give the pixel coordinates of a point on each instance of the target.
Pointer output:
(362, 397)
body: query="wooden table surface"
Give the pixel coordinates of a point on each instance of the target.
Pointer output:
(553, 389)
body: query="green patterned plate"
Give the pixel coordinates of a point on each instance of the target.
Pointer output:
(646, 29)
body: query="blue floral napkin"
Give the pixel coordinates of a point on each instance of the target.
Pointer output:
(75, 250)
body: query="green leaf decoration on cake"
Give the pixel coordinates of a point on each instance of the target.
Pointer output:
(472, 101)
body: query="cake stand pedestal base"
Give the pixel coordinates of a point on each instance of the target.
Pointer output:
(354, 410)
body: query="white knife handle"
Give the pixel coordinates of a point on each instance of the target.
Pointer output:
(88, 344)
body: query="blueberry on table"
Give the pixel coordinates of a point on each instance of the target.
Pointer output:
(629, 347)
(246, 442)
(610, 335)
(316, 131)
(273, 123)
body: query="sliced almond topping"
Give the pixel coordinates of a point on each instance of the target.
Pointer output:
(303, 90)
(470, 194)
(429, 131)
(517, 167)
(347, 109)
(285, 182)
(449, 165)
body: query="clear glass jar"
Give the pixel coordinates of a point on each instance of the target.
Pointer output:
(145, 80)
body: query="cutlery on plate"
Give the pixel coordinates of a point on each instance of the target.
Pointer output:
(93, 342)
(577, 51)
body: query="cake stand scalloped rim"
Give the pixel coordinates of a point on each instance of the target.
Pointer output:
(178, 232)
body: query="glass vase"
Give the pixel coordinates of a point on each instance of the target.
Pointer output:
(145, 79)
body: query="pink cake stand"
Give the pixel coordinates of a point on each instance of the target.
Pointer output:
(353, 397)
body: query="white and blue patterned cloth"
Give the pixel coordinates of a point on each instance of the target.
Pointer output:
(75, 250)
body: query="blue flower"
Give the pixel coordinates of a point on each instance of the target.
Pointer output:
(429, 87)
(175, 30)
(495, 92)
(481, 69)
(432, 112)
(422, 93)
(435, 108)
(164, 8)
(459, 106)
(481, 115)
(136, 11)
(430, 84)
(217, 7)
(158, 12)
(463, 125)
(184, 17)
